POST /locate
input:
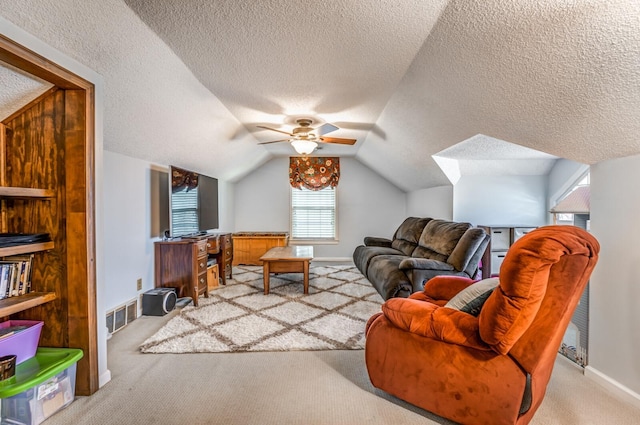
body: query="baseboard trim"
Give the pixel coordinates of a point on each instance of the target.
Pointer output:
(104, 378)
(623, 392)
(333, 259)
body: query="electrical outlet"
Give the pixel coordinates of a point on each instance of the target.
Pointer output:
(139, 284)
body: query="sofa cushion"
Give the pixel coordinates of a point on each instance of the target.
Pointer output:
(385, 275)
(406, 236)
(470, 247)
(439, 238)
(363, 254)
(412, 263)
(471, 299)
(376, 241)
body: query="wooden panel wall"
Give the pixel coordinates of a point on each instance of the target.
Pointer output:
(81, 301)
(45, 148)
(35, 158)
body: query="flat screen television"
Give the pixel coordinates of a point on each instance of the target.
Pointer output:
(193, 202)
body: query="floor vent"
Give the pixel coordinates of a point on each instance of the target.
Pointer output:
(121, 316)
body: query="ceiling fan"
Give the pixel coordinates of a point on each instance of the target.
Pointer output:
(305, 139)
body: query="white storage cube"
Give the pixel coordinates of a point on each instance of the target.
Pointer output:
(497, 257)
(500, 238)
(519, 232)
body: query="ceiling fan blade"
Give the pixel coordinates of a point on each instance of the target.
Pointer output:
(325, 128)
(273, 141)
(338, 140)
(273, 129)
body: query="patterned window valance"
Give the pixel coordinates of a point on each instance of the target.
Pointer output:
(181, 179)
(314, 173)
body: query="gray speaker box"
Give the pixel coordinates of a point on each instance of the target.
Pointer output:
(158, 301)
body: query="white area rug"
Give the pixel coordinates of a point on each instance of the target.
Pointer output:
(239, 317)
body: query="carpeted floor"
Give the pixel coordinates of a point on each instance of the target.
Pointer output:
(294, 387)
(239, 317)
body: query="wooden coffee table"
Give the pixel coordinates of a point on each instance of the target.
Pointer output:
(287, 259)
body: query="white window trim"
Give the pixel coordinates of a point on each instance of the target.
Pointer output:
(298, 241)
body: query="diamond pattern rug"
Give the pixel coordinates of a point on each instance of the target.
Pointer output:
(239, 317)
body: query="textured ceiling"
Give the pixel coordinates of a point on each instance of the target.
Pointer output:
(18, 89)
(485, 156)
(187, 81)
(270, 62)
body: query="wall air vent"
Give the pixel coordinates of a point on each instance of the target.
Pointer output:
(122, 315)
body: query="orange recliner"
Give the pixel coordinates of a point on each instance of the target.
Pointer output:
(493, 368)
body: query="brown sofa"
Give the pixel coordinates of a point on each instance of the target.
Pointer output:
(420, 249)
(492, 368)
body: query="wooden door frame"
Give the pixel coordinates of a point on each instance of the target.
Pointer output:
(84, 317)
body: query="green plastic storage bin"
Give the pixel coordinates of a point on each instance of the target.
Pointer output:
(41, 386)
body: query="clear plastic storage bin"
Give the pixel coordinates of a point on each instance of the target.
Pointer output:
(41, 386)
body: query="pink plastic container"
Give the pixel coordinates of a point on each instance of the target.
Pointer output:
(23, 343)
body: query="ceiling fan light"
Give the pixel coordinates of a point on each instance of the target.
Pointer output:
(304, 147)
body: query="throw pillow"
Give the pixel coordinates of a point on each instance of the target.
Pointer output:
(471, 299)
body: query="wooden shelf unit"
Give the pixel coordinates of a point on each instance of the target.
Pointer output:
(25, 193)
(13, 305)
(47, 186)
(25, 249)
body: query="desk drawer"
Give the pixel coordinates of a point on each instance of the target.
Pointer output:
(202, 282)
(202, 264)
(201, 247)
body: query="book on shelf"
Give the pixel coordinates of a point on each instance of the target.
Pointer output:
(15, 275)
(4, 281)
(12, 280)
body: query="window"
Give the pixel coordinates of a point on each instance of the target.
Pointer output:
(565, 217)
(184, 212)
(313, 214)
(574, 207)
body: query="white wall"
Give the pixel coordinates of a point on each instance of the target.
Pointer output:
(501, 200)
(367, 205)
(135, 208)
(614, 316)
(435, 202)
(128, 243)
(563, 177)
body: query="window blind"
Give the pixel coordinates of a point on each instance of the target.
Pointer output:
(184, 212)
(313, 214)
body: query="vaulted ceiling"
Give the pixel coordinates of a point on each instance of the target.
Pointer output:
(187, 82)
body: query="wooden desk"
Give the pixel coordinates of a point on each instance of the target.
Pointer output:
(220, 246)
(287, 259)
(182, 264)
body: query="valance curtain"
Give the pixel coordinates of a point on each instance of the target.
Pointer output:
(181, 179)
(314, 173)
